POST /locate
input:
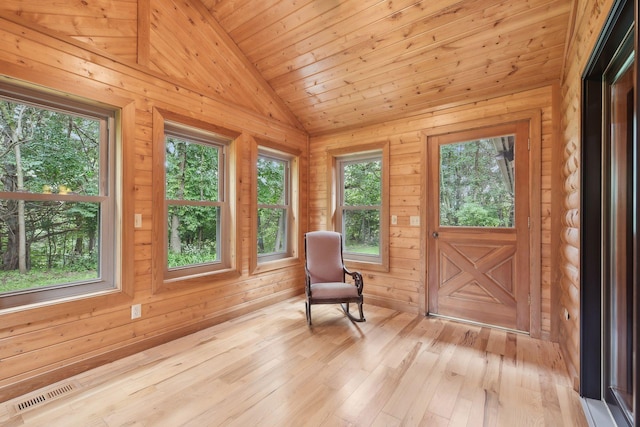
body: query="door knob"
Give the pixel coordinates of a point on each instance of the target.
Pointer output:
(435, 234)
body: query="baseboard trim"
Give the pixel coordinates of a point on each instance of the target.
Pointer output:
(392, 304)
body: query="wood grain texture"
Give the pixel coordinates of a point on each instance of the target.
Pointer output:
(482, 274)
(43, 344)
(109, 25)
(408, 176)
(348, 72)
(348, 64)
(269, 368)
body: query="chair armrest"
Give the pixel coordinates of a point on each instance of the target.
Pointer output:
(357, 278)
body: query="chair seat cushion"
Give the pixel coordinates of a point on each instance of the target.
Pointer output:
(333, 290)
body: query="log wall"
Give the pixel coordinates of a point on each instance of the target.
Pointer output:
(587, 22)
(42, 345)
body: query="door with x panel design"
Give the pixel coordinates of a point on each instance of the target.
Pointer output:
(478, 225)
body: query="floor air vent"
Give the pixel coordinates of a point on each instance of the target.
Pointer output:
(47, 396)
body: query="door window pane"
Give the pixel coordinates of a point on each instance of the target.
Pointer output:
(477, 183)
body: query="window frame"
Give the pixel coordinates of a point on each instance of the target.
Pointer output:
(336, 157)
(285, 206)
(200, 132)
(269, 149)
(110, 197)
(197, 136)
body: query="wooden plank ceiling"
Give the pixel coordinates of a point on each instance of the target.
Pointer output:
(342, 64)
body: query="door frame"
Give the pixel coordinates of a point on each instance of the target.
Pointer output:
(623, 15)
(534, 117)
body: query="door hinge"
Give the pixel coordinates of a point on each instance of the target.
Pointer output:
(528, 222)
(528, 144)
(529, 299)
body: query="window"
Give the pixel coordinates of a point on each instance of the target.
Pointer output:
(275, 202)
(196, 204)
(57, 198)
(274, 206)
(360, 182)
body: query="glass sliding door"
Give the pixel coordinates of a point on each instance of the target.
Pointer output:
(619, 258)
(609, 244)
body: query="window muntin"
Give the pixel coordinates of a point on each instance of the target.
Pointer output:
(57, 198)
(274, 206)
(359, 207)
(196, 208)
(477, 183)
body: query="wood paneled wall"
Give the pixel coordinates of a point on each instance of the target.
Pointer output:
(589, 18)
(42, 345)
(109, 25)
(126, 52)
(403, 287)
(182, 34)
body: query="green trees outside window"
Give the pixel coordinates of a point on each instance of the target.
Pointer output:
(360, 204)
(194, 200)
(54, 200)
(477, 183)
(273, 205)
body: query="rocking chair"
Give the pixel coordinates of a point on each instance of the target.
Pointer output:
(325, 274)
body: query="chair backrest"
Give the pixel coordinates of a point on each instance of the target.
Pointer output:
(323, 256)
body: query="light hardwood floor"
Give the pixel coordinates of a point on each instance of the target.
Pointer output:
(268, 368)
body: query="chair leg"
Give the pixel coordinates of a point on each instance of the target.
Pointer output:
(361, 313)
(307, 308)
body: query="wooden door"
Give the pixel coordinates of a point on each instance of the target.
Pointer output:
(478, 225)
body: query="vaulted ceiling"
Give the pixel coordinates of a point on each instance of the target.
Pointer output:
(326, 65)
(340, 64)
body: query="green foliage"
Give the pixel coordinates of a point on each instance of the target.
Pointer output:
(192, 174)
(476, 184)
(197, 232)
(363, 249)
(192, 255)
(362, 183)
(271, 181)
(58, 153)
(272, 205)
(11, 281)
(362, 230)
(82, 262)
(471, 214)
(362, 197)
(271, 231)
(191, 170)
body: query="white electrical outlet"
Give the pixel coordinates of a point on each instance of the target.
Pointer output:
(137, 220)
(136, 311)
(414, 221)
(394, 219)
